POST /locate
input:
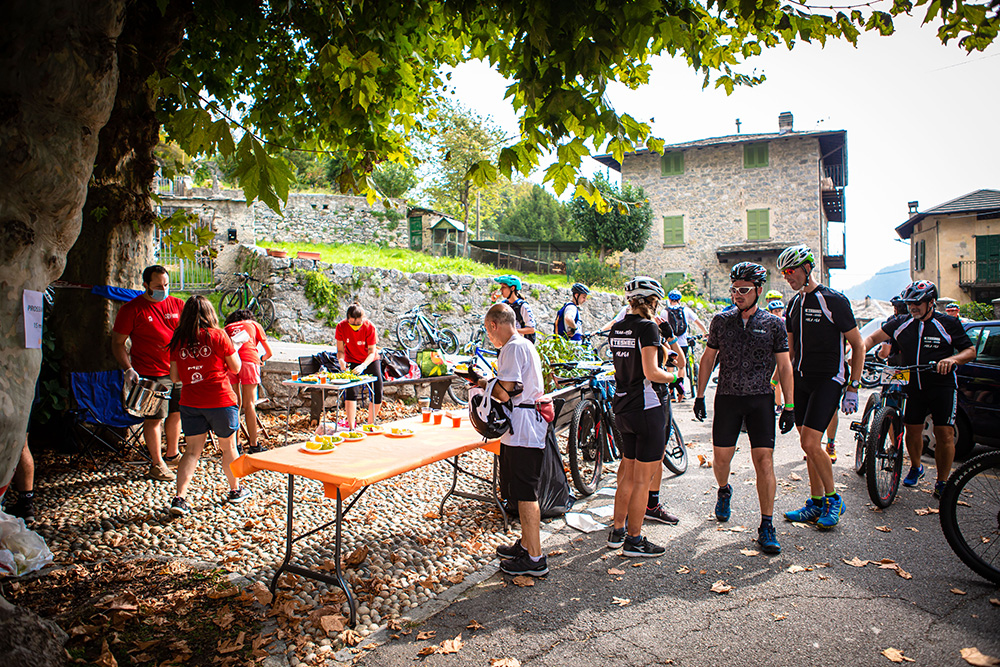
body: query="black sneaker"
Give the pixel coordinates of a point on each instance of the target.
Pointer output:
(179, 506)
(524, 565)
(24, 509)
(640, 547)
(256, 449)
(239, 495)
(511, 550)
(616, 538)
(660, 514)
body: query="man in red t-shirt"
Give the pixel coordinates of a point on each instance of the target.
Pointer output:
(357, 348)
(149, 321)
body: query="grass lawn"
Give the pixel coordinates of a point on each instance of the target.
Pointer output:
(406, 260)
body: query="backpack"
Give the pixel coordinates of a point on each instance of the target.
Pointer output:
(396, 365)
(516, 306)
(677, 321)
(431, 363)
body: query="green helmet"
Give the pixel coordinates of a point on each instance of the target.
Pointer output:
(773, 295)
(794, 257)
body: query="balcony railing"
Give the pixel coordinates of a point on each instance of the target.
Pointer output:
(836, 257)
(982, 273)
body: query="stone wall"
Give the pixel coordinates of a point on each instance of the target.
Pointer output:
(714, 194)
(325, 218)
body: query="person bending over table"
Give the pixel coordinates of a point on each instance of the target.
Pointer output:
(357, 347)
(521, 448)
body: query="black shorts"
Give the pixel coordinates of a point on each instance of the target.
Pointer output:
(941, 403)
(732, 411)
(520, 469)
(374, 368)
(816, 401)
(644, 433)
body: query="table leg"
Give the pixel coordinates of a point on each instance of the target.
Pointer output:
(288, 415)
(340, 577)
(288, 535)
(493, 497)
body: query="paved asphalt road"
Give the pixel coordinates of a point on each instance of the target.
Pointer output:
(775, 614)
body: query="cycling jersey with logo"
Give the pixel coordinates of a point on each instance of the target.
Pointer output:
(633, 392)
(203, 371)
(923, 342)
(746, 351)
(817, 321)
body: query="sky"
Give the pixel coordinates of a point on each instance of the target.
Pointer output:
(922, 121)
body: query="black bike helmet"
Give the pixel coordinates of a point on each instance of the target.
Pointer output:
(920, 291)
(754, 273)
(898, 304)
(580, 288)
(489, 416)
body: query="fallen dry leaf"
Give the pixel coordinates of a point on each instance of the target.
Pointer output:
(557, 552)
(261, 592)
(432, 515)
(683, 569)
(221, 593)
(451, 645)
(749, 552)
(721, 587)
(505, 662)
(794, 477)
(615, 570)
(796, 568)
(106, 659)
(704, 462)
(351, 638)
(995, 602)
(779, 617)
(428, 650)
(856, 562)
(637, 564)
(913, 529)
(974, 657)
(903, 573)
(426, 634)
(332, 623)
(924, 511)
(884, 529)
(225, 647)
(895, 655)
(957, 591)
(474, 625)
(621, 602)
(523, 581)
(358, 557)
(455, 578)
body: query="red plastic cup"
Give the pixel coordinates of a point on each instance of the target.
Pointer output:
(437, 417)
(425, 413)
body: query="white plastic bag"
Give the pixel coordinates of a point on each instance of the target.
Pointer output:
(21, 550)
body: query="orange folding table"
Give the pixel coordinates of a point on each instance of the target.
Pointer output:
(353, 466)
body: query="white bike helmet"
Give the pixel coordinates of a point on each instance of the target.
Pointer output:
(794, 257)
(643, 286)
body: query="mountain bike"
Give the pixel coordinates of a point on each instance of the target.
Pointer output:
(691, 361)
(970, 514)
(593, 435)
(872, 371)
(415, 331)
(243, 297)
(484, 363)
(599, 348)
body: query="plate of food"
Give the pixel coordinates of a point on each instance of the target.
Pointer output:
(353, 436)
(310, 379)
(398, 432)
(372, 429)
(315, 447)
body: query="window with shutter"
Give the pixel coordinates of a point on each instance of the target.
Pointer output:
(673, 230)
(755, 155)
(758, 224)
(672, 164)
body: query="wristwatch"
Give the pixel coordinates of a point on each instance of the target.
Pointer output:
(856, 384)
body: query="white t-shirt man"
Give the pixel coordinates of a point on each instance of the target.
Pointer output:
(690, 318)
(518, 361)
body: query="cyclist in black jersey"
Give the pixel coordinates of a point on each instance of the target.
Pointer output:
(750, 345)
(819, 319)
(928, 336)
(641, 406)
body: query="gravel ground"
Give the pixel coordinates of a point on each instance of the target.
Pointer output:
(413, 554)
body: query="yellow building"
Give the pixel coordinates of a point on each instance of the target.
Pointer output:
(957, 246)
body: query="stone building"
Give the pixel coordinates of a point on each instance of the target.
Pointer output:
(957, 246)
(742, 197)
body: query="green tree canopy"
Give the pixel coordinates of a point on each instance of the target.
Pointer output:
(395, 180)
(624, 226)
(539, 216)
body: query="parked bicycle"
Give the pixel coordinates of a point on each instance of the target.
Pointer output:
(872, 372)
(691, 361)
(883, 435)
(483, 361)
(243, 297)
(970, 514)
(416, 330)
(599, 348)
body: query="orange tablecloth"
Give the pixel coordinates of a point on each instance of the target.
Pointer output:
(357, 464)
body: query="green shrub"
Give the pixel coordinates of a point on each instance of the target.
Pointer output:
(976, 311)
(588, 269)
(324, 295)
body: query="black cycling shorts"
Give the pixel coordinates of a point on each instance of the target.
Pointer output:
(644, 433)
(732, 411)
(816, 401)
(941, 403)
(520, 469)
(374, 368)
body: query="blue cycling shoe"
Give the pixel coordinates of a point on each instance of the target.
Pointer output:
(809, 513)
(831, 513)
(914, 476)
(723, 510)
(768, 539)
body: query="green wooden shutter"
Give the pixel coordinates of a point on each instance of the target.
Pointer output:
(988, 258)
(673, 230)
(416, 233)
(672, 164)
(755, 155)
(923, 255)
(758, 224)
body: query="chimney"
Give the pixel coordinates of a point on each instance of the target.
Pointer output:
(913, 206)
(784, 122)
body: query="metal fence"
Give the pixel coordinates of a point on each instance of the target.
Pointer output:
(186, 274)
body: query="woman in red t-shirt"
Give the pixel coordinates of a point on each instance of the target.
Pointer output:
(246, 334)
(357, 347)
(201, 356)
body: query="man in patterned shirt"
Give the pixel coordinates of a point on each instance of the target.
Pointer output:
(748, 343)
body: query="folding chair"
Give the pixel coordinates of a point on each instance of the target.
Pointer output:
(100, 418)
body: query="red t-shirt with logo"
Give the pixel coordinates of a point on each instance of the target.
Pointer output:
(248, 351)
(204, 373)
(355, 342)
(149, 325)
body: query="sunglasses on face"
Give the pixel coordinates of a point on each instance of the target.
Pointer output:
(740, 290)
(788, 272)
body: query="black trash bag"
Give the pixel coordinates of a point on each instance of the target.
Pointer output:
(395, 364)
(553, 492)
(327, 361)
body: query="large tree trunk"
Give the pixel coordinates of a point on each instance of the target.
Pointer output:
(116, 241)
(58, 76)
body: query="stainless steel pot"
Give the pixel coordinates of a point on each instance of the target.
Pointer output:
(146, 397)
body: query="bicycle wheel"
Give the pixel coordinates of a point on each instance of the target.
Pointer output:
(871, 374)
(264, 311)
(408, 334)
(970, 514)
(675, 457)
(585, 446)
(448, 341)
(230, 301)
(861, 437)
(884, 458)
(603, 351)
(458, 390)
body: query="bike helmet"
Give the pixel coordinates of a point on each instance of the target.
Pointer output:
(509, 280)
(580, 288)
(643, 286)
(898, 304)
(489, 417)
(754, 273)
(919, 291)
(794, 257)
(775, 305)
(773, 295)
(675, 295)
